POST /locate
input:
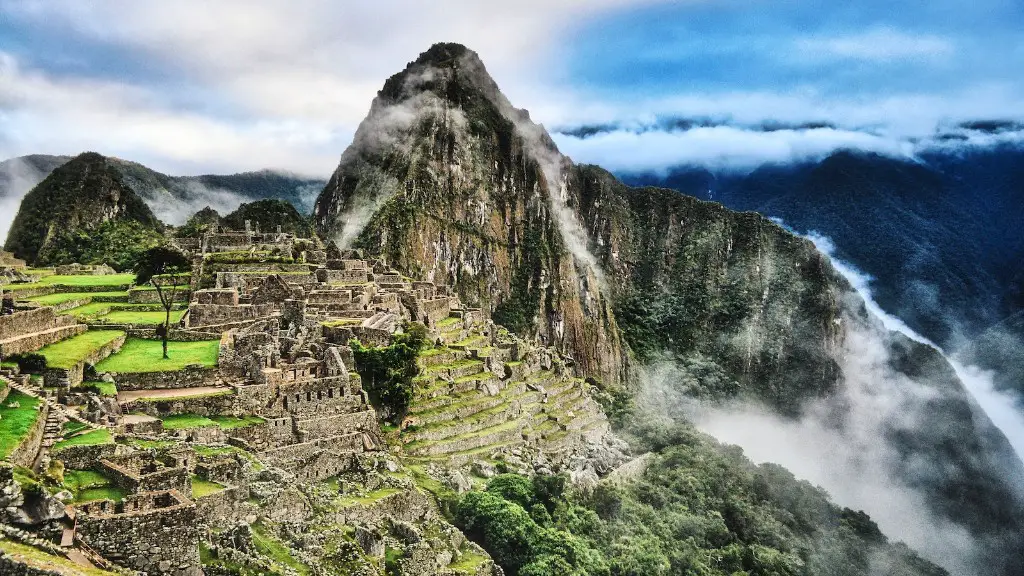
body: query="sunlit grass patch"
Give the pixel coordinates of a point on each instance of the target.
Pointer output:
(139, 355)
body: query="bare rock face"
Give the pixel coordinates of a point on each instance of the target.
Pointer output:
(450, 183)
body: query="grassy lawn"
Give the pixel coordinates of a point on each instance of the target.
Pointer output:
(88, 280)
(145, 317)
(147, 356)
(202, 487)
(92, 438)
(15, 422)
(185, 421)
(67, 353)
(62, 297)
(47, 563)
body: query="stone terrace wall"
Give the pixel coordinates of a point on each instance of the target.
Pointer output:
(84, 457)
(71, 377)
(149, 296)
(26, 322)
(188, 377)
(158, 533)
(213, 314)
(201, 405)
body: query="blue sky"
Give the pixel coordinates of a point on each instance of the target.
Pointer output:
(190, 86)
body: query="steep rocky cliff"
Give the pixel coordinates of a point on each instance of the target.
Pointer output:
(57, 218)
(449, 182)
(742, 303)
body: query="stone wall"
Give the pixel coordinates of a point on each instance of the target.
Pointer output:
(188, 377)
(156, 532)
(35, 341)
(26, 322)
(130, 473)
(225, 508)
(331, 425)
(25, 453)
(342, 276)
(221, 403)
(214, 314)
(149, 296)
(84, 457)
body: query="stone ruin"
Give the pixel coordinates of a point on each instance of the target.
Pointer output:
(285, 311)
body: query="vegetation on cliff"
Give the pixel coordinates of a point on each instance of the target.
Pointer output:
(268, 215)
(388, 371)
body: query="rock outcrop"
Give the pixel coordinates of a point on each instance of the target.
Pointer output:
(449, 182)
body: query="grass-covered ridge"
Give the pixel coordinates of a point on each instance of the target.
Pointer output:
(139, 355)
(67, 353)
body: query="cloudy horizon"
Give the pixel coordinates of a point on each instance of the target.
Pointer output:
(238, 86)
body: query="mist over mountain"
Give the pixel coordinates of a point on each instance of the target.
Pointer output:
(172, 198)
(940, 234)
(446, 180)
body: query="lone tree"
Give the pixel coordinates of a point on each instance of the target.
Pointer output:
(166, 269)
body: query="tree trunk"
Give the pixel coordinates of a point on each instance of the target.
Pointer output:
(167, 328)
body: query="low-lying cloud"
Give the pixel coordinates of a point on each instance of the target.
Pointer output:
(656, 148)
(845, 442)
(17, 177)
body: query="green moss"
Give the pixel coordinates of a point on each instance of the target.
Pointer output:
(147, 356)
(68, 353)
(16, 422)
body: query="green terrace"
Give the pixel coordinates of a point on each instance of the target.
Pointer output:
(99, 313)
(88, 485)
(63, 283)
(17, 415)
(139, 355)
(45, 563)
(186, 421)
(90, 438)
(68, 353)
(61, 297)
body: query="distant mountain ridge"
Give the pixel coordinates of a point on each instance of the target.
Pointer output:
(172, 198)
(943, 236)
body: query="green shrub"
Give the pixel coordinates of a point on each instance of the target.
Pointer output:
(388, 371)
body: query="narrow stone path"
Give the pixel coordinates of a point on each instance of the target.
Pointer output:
(130, 396)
